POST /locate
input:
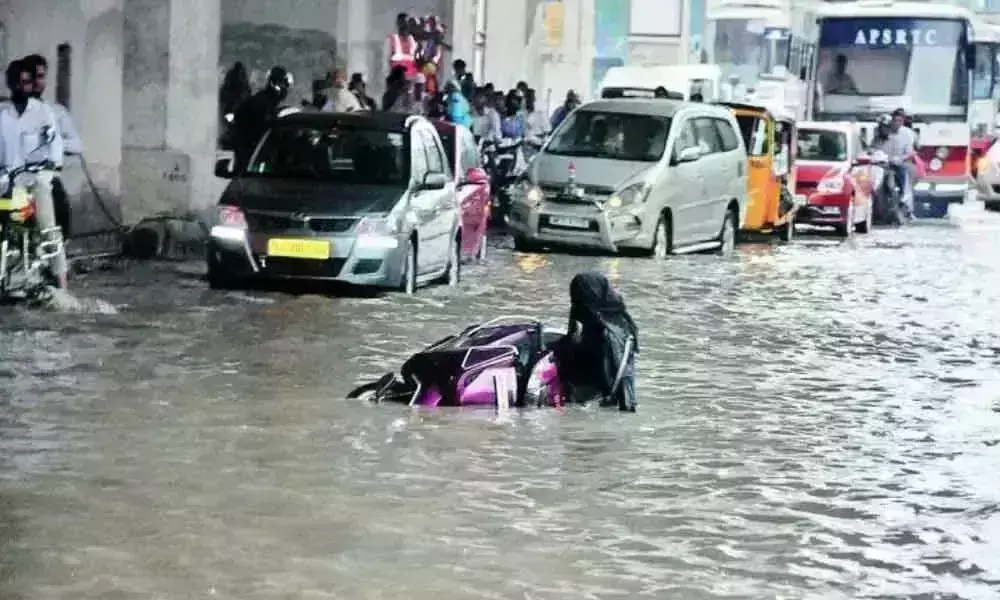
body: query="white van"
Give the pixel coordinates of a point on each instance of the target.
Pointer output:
(680, 82)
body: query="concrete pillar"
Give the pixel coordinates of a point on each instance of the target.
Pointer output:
(353, 32)
(463, 31)
(506, 35)
(96, 92)
(170, 105)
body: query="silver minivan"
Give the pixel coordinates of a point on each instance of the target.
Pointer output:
(651, 176)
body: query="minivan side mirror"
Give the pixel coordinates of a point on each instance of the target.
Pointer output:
(689, 154)
(433, 181)
(224, 168)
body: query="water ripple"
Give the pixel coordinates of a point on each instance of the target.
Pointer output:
(818, 421)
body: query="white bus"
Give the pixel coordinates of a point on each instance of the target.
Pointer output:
(875, 56)
(764, 47)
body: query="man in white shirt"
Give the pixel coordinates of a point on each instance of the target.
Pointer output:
(31, 136)
(341, 99)
(536, 125)
(67, 128)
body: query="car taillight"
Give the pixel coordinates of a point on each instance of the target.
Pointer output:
(231, 216)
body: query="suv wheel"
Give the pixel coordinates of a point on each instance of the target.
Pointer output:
(727, 235)
(408, 282)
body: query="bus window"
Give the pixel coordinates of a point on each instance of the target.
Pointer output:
(983, 75)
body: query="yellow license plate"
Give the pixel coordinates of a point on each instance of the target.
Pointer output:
(308, 249)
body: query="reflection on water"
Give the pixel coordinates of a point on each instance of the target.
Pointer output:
(818, 420)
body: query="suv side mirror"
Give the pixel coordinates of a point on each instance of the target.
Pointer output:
(689, 154)
(433, 181)
(224, 168)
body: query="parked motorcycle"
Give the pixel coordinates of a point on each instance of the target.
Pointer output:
(25, 250)
(502, 161)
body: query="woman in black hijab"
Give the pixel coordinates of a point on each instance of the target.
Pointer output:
(601, 342)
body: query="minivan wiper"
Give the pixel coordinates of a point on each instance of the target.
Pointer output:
(582, 153)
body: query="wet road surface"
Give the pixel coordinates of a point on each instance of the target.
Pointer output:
(817, 421)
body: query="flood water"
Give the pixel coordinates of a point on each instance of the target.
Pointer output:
(817, 421)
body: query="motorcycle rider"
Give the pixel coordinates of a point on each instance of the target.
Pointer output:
(31, 136)
(569, 105)
(901, 148)
(512, 123)
(536, 125)
(67, 130)
(254, 116)
(485, 120)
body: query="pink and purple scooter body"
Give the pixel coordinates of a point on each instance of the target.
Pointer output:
(503, 363)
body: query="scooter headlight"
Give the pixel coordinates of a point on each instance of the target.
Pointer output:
(633, 194)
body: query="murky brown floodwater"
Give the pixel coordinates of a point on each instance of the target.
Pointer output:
(817, 421)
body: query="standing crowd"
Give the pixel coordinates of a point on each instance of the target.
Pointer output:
(414, 86)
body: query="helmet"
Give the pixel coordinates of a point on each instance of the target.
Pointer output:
(280, 80)
(884, 121)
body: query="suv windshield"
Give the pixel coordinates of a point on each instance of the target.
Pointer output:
(613, 135)
(346, 154)
(817, 144)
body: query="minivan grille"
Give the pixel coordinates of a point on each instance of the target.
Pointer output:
(267, 223)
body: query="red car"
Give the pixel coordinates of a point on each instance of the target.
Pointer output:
(472, 185)
(830, 189)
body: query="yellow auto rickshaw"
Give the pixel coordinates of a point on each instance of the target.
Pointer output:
(769, 136)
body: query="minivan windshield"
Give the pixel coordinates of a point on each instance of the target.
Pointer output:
(611, 135)
(340, 153)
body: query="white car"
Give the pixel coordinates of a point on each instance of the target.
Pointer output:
(653, 176)
(988, 177)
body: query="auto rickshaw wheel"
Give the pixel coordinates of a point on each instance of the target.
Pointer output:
(786, 232)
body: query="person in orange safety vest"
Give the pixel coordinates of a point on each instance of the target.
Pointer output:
(403, 46)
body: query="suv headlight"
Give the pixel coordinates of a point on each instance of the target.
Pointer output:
(633, 194)
(531, 193)
(378, 226)
(378, 232)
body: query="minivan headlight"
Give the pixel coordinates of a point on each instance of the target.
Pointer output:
(633, 194)
(531, 193)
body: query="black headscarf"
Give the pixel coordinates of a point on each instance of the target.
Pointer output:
(594, 303)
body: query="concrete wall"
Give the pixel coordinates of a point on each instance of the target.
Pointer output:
(310, 37)
(517, 49)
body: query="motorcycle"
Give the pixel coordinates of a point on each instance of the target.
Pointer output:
(889, 207)
(26, 251)
(501, 160)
